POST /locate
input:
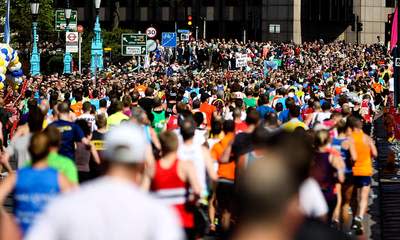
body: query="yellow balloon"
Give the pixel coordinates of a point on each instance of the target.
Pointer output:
(1, 85)
(2, 62)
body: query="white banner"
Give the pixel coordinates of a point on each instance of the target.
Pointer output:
(241, 61)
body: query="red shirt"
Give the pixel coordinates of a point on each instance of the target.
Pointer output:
(172, 123)
(240, 127)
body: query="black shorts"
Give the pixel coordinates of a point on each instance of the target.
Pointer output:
(225, 193)
(362, 181)
(349, 179)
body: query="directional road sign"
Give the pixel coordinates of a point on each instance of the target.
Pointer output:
(133, 44)
(183, 31)
(168, 39)
(61, 22)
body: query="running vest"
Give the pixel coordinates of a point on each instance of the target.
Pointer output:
(363, 164)
(194, 153)
(33, 189)
(171, 190)
(345, 154)
(324, 173)
(159, 121)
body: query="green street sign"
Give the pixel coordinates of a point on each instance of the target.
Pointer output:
(133, 44)
(61, 23)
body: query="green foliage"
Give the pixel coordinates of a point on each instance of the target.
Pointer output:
(21, 19)
(110, 40)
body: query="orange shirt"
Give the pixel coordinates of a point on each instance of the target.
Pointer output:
(77, 108)
(208, 109)
(225, 170)
(363, 163)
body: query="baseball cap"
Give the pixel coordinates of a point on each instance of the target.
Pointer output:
(125, 143)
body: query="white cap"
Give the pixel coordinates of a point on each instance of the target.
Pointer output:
(126, 143)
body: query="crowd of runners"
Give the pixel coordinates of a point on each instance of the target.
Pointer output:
(194, 145)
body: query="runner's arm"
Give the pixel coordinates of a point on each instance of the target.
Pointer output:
(191, 176)
(209, 164)
(64, 183)
(6, 187)
(374, 151)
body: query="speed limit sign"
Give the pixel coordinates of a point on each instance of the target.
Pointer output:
(151, 32)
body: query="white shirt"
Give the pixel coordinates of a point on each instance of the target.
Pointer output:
(106, 209)
(312, 200)
(194, 152)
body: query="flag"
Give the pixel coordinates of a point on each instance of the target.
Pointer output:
(7, 24)
(393, 38)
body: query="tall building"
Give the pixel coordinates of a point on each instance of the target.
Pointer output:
(275, 20)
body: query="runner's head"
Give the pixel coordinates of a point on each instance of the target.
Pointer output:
(39, 147)
(54, 136)
(35, 120)
(125, 151)
(169, 142)
(262, 202)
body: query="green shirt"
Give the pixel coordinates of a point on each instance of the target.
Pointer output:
(250, 102)
(63, 165)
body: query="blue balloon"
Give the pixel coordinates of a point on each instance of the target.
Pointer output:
(7, 58)
(17, 73)
(13, 54)
(5, 51)
(1, 79)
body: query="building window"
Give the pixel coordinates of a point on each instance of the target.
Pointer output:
(390, 3)
(209, 3)
(233, 3)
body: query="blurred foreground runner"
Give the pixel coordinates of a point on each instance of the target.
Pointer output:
(111, 207)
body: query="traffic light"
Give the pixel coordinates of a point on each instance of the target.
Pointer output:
(190, 18)
(359, 27)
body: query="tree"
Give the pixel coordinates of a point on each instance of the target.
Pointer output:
(21, 20)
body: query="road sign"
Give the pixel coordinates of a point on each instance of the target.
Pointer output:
(151, 32)
(397, 62)
(133, 44)
(184, 36)
(183, 31)
(168, 39)
(151, 45)
(61, 23)
(71, 42)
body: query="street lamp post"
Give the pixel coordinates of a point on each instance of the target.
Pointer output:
(97, 44)
(67, 56)
(35, 57)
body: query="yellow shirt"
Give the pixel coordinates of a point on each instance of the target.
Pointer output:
(293, 124)
(116, 119)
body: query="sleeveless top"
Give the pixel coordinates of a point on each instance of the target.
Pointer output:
(324, 173)
(194, 153)
(344, 153)
(159, 121)
(171, 190)
(33, 189)
(363, 163)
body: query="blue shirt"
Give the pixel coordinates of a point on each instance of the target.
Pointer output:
(70, 133)
(33, 189)
(264, 110)
(96, 103)
(284, 116)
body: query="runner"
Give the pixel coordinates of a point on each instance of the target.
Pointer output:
(170, 182)
(33, 187)
(75, 216)
(362, 169)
